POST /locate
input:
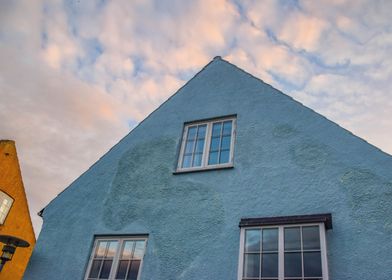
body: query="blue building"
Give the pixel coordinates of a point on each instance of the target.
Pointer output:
(229, 179)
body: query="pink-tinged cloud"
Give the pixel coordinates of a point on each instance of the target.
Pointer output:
(76, 76)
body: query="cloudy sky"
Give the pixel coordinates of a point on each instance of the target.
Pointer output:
(76, 76)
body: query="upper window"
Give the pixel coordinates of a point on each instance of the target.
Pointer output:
(116, 258)
(207, 144)
(283, 252)
(5, 206)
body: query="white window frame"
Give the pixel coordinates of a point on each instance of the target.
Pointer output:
(116, 258)
(207, 144)
(323, 249)
(6, 208)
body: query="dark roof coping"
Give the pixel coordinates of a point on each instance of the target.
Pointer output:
(287, 220)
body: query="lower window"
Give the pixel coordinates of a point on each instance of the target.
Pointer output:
(283, 252)
(116, 258)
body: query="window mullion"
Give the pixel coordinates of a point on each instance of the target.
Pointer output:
(103, 259)
(281, 254)
(241, 256)
(323, 249)
(116, 257)
(91, 259)
(130, 260)
(194, 145)
(220, 142)
(141, 260)
(302, 253)
(261, 249)
(208, 144)
(183, 143)
(233, 137)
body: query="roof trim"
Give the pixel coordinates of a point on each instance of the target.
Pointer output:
(288, 220)
(41, 212)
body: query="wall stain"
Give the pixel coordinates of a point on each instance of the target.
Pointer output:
(284, 131)
(370, 197)
(310, 155)
(184, 216)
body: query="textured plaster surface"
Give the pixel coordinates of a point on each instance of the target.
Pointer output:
(288, 160)
(17, 222)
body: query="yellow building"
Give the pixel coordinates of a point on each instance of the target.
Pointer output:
(14, 212)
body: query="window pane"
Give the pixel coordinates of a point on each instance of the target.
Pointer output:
(112, 249)
(139, 250)
(311, 237)
(189, 147)
(202, 131)
(252, 265)
(213, 159)
(292, 238)
(95, 269)
(224, 157)
(199, 146)
(292, 265)
(227, 128)
(5, 205)
(101, 249)
(105, 271)
(312, 264)
(192, 133)
(215, 144)
(226, 143)
(127, 251)
(133, 270)
(269, 265)
(122, 270)
(270, 239)
(197, 159)
(216, 129)
(252, 240)
(187, 161)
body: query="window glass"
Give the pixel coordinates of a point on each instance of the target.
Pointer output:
(252, 240)
(116, 258)
(311, 238)
(270, 239)
(5, 205)
(299, 250)
(252, 265)
(194, 146)
(220, 143)
(292, 238)
(269, 265)
(207, 144)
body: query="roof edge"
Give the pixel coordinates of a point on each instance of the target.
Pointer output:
(288, 220)
(41, 212)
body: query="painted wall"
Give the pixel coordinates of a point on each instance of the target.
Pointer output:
(18, 221)
(288, 161)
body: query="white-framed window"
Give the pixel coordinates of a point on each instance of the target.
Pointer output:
(5, 205)
(116, 258)
(207, 144)
(283, 252)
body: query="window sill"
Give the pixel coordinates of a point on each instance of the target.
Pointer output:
(202, 169)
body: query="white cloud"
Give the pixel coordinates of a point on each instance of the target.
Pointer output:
(78, 71)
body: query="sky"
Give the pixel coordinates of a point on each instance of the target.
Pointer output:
(77, 76)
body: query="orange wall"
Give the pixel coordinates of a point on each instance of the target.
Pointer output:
(18, 221)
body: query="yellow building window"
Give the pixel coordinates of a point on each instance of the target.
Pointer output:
(5, 206)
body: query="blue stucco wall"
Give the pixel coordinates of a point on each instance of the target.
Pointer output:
(288, 161)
